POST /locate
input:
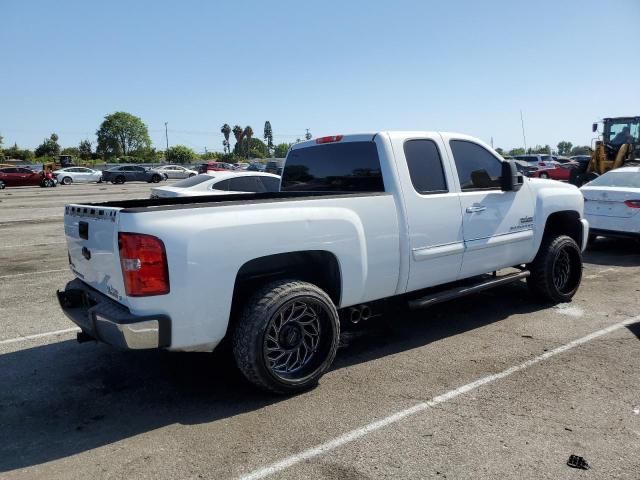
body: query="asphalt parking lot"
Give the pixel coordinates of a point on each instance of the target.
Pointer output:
(495, 385)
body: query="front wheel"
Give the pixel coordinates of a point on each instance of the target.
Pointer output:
(66, 181)
(556, 271)
(156, 178)
(286, 337)
(544, 175)
(119, 180)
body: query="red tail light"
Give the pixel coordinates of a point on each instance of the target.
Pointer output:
(144, 265)
(632, 203)
(329, 139)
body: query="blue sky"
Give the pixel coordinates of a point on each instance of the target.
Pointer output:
(330, 66)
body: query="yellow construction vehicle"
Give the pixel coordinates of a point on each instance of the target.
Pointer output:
(619, 145)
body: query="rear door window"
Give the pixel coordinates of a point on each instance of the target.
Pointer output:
(477, 168)
(425, 166)
(246, 184)
(270, 184)
(334, 167)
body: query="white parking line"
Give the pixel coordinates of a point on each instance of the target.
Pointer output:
(32, 244)
(13, 275)
(39, 335)
(420, 407)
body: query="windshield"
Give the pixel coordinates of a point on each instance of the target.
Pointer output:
(617, 179)
(623, 131)
(191, 181)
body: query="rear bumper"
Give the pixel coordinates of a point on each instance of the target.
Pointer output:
(107, 321)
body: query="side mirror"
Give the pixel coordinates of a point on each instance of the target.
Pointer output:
(594, 127)
(511, 180)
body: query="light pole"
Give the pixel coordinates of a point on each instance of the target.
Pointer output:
(166, 136)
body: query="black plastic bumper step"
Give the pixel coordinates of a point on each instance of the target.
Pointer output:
(467, 289)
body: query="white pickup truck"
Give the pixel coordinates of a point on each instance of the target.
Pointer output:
(418, 217)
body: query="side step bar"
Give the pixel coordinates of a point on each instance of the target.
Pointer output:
(460, 291)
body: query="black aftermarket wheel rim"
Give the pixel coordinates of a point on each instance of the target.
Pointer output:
(565, 274)
(297, 339)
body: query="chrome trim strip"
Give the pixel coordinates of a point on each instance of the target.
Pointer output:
(436, 251)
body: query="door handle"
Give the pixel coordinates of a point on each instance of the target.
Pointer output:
(476, 208)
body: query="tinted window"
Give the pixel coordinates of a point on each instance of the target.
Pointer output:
(137, 169)
(223, 185)
(425, 166)
(477, 167)
(246, 184)
(335, 167)
(270, 184)
(190, 182)
(9, 170)
(24, 170)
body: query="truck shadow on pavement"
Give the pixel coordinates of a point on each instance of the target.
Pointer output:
(614, 252)
(65, 398)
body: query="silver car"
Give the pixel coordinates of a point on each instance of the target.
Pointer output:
(69, 175)
(175, 171)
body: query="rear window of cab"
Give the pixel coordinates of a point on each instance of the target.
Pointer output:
(334, 167)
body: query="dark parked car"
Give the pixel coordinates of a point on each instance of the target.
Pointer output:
(274, 167)
(131, 173)
(256, 167)
(21, 177)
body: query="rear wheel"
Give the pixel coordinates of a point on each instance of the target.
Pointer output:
(66, 181)
(544, 175)
(156, 178)
(286, 337)
(556, 271)
(2, 185)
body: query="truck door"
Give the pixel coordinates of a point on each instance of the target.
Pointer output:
(497, 225)
(436, 243)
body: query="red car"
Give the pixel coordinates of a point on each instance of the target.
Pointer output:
(20, 177)
(556, 171)
(213, 167)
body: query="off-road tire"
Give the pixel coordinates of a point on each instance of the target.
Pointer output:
(249, 336)
(547, 269)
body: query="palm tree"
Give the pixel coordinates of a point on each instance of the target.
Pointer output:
(248, 132)
(238, 133)
(226, 131)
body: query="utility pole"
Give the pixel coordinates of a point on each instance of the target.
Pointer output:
(166, 135)
(491, 142)
(524, 138)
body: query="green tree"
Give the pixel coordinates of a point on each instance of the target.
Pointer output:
(121, 134)
(254, 148)
(581, 150)
(73, 151)
(248, 133)
(18, 154)
(84, 149)
(49, 147)
(564, 148)
(268, 136)
(226, 131)
(516, 151)
(1, 150)
(281, 150)
(180, 154)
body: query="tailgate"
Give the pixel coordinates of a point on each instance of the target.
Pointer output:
(92, 240)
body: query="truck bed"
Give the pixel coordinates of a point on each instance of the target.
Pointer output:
(141, 205)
